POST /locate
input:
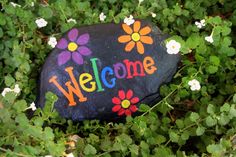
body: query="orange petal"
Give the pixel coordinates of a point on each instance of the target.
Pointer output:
(129, 46)
(140, 47)
(146, 39)
(137, 25)
(145, 30)
(127, 28)
(124, 38)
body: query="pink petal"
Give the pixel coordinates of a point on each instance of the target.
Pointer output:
(116, 101)
(63, 57)
(116, 108)
(77, 58)
(129, 94)
(84, 50)
(62, 44)
(134, 100)
(127, 112)
(73, 34)
(83, 39)
(133, 108)
(121, 112)
(121, 94)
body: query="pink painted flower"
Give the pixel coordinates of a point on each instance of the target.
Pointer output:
(73, 48)
(125, 103)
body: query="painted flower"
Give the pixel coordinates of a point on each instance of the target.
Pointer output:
(73, 48)
(194, 85)
(41, 22)
(200, 24)
(173, 47)
(52, 41)
(209, 39)
(136, 36)
(125, 103)
(102, 16)
(129, 20)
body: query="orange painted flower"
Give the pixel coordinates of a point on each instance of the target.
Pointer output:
(136, 36)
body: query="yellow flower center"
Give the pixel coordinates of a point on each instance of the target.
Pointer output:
(173, 46)
(125, 103)
(135, 37)
(72, 46)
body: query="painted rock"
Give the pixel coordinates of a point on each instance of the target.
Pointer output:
(106, 71)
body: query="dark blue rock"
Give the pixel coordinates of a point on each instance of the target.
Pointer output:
(106, 71)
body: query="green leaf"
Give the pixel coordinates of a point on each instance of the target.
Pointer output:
(210, 121)
(200, 130)
(211, 69)
(45, 12)
(215, 149)
(193, 41)
(48, 134)
(134, 149)
(223, 119)
(9, 80)
(215, 60)
(225, 108)
(211, 109)
(234, 98)
(174, 137)
(143, 108)
(194, 116)
(90, 150)
(20, 106)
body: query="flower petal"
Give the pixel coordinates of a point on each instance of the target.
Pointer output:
(127, 28)
(127, 112)
(63, 57)
(121, 112)
(77, 58)
(145, 30)
(129, 46)
(116, 101)
(134, 100)
(129, 94)
(83, 50)
(140, 47)
(121, 94)
(137, 25)
(146, 39)
(133, 108)
(73, 34)
(83, 39)
(62, 44)
(116, 108)
(124, 38)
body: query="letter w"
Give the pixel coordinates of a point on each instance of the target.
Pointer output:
(71, 90)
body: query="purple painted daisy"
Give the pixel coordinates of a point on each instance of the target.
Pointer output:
(73, 48)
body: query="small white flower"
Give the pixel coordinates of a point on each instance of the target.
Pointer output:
(129, 20)
(153, 14)
(194, 85)
(52, 42)
(32, 107)
(5, 91)
(173, 47)
(200, 24)
(140, 1)
(32, 4)
(71, 20)
(41, 22)
(15, 4)
(102, 16)
(48, 156)
(209, 39)
(70, 155)
(17, 89)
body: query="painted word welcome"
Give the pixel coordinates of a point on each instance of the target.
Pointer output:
(98, 81)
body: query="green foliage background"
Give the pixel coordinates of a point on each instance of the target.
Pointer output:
(184, 124)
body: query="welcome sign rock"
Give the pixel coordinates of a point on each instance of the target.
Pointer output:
(106, 71)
